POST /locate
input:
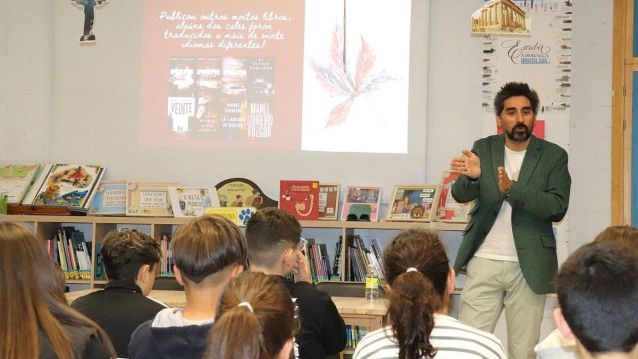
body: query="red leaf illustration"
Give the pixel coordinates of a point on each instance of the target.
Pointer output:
(339, 114)
(365, 63)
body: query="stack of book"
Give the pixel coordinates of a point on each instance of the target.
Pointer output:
(70, 250)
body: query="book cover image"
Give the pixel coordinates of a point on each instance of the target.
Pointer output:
(361, 203)
(15, 180)
(242, 192)
(328, 201)
(69, 185)
(192, 201)
(300, 198)
(148, 199)
(413, 203)
(449, 209)
(109, 199)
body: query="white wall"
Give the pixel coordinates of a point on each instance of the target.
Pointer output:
(50, 84)
(25, 80)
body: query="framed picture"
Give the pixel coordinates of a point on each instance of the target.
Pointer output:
(449, 209)
(328, 201)
(361, 204)
(413, 203)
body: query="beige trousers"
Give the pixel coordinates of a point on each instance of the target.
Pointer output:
(494, 285)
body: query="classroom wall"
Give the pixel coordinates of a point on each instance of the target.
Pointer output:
(56, 96)
(25, 80)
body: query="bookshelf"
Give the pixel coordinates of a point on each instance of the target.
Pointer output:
(95, 229)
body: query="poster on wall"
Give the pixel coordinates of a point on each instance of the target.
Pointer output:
(542, 59)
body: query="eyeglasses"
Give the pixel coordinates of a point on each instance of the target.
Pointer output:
(353, 217)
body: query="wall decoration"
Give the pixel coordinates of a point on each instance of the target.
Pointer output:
(89, 17)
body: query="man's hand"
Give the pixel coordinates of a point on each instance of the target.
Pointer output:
(504, 182)
(302, 268)
(467, 164)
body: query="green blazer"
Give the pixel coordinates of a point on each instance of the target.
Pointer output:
(538, 198)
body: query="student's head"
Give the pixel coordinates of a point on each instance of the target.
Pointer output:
(32, 298)
(513, 89)
(207, 250)
(272, 236)
(255, 319)
(619, 233)
(419, 279)
(131, 255)
(597, 290)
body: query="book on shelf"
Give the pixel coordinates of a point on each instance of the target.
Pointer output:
(238, 215)
(16, 180)
(300, 198)
(242, 192)
(361, 203)
(148, 199)
(319, 260)
(449, 209)
(67, 185)
(70, 250)
(109, 199)
(166, 261)
(192, 201)
(100, 271)
(358, 257)
(328, 201)
(413, 203)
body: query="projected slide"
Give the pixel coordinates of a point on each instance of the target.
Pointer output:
(356, 72)
(318, 75)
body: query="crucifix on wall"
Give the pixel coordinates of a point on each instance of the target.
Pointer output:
(89, 17)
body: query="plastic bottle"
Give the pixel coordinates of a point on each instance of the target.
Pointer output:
(372, 283)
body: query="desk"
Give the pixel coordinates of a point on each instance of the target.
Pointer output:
(355, 311)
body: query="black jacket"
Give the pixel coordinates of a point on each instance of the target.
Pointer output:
(323, 331)
(119, 309)
(155, 339)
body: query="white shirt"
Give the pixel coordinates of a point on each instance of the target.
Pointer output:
(499, 243)
(451, 338)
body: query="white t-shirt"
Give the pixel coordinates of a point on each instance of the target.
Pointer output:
(451, 338)
(499, 243)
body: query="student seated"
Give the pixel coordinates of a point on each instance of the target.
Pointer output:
(597, 289)
(273, 236)
(555, 346)
(36, 321)
(255, 319)
(420, 281)
(207, 252)
(129, 261)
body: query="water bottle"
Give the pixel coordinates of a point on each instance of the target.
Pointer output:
(372, 283)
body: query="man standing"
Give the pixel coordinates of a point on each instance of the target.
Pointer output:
(521, 185)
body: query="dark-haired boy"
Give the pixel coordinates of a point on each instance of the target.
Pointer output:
(597, 290)
(129, 261)
(207, 253)
(273, 236)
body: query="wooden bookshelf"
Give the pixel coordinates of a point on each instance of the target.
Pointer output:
(46, 226)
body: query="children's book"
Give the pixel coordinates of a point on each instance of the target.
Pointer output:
(361, 204)
(69, 185)
(148, 199)
(300, 198)
(192, 201)
(15, 181)
(328, 201)
(413, 203)
(109, 199)
(238, 215)
(449, 209)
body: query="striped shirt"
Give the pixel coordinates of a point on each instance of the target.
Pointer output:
(451, 338)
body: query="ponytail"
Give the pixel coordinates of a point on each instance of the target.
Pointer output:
(235, 334)
(412, 303)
